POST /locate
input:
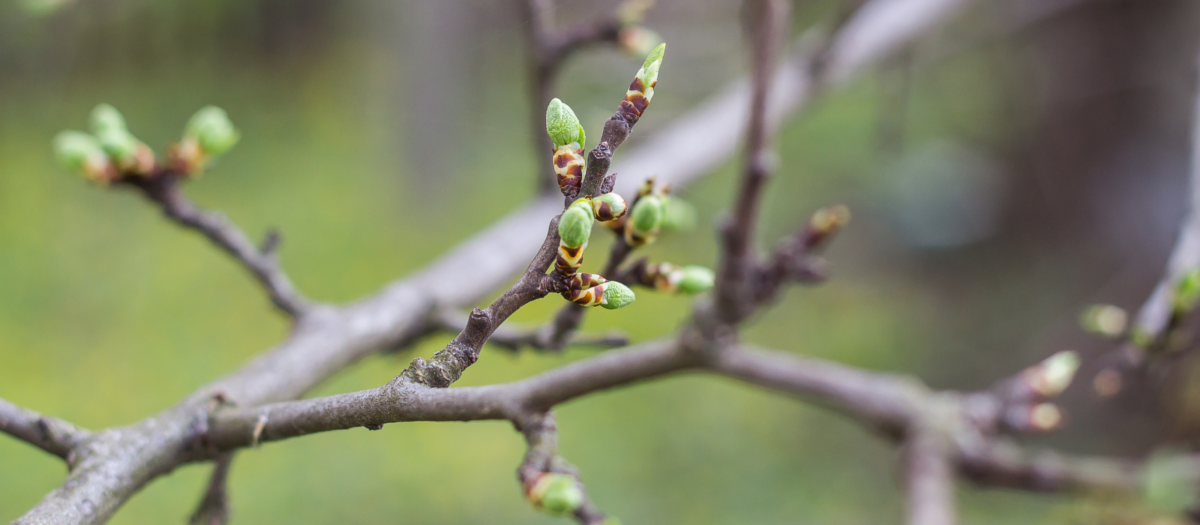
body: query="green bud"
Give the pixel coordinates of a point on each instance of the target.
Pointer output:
(575, 226)
(1187, 291)
(1104, 320)
(647, 214)
(212, 130)
(106, 118)
(649, 71)
(617, 295)
(79, 152)
(118, 144)
(1053, 375)
(609, 206)
(557, 494)
(695, 279)
(562, 125)
(680, 215)
(1169, 482)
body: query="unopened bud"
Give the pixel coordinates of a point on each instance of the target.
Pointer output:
(695, 279)
(824, 224)
(557, 494)
(212, 130)
(575, 226)
(648, 74)
(680, 215)
(1104, 320)
(647, 215)
(106, 118)
(616, 295)
(563, 126)
(1052, 376)
(118, 144)
(608, 206)
(81, 153)
(1044, 417)
(644, 221)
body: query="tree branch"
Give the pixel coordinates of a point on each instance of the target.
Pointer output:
(768, 19)
(929, 471)
(52, 435)
(447, 365)
(214, 508)
(262, 263)
(329, 339)
(539, 339)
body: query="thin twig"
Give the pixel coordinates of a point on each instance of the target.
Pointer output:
(539, 339)
(262, 263)
(53, 435)
(929, 473)
(448, 364)
(214, 508)
(768, 19)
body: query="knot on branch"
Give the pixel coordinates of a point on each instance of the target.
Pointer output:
(444, 368)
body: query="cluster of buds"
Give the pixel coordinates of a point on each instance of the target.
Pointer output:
(1029, 407)
(666, 277)
(208, 134)
(567, 135)
(111, 152)
(106, 154)
(574, 229)
(555, 494)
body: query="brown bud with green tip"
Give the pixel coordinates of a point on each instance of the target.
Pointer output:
(608, 207)
(556, 494)
(569, 139)
(641, 90)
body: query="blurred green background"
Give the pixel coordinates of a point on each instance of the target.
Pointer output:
(376, 135)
